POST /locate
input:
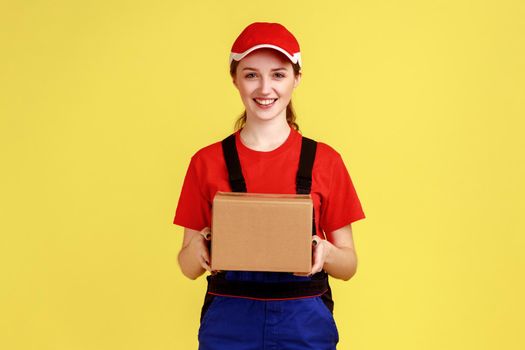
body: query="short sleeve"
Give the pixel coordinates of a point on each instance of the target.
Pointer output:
(342, 205)
(193, 209)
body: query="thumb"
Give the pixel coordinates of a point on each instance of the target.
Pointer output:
(316, 240)
(206, 233)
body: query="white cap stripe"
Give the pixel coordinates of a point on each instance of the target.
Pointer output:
(296, 58)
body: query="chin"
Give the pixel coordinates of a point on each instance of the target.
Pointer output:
(266, 116)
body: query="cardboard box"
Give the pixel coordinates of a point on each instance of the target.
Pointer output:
(261, 232)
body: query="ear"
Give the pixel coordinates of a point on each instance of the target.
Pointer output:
(297, 79)
(234, 81)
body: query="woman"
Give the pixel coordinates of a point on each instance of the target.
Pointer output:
(265, 66)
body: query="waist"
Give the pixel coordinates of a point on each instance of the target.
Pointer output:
(291, 287)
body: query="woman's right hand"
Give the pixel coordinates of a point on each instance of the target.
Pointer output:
(194, 256)
(199, 248)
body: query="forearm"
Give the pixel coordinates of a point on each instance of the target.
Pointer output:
(189, 266)
(340, 263)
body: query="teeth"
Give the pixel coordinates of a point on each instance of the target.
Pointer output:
(265, 101)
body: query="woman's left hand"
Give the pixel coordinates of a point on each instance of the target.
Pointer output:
(320, 250)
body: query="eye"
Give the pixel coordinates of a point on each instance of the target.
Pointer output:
(249, 75)
(280, 75)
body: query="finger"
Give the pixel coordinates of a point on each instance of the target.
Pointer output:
(313, 272)
(205, 264)
(206, 257)
(318, 260)
(206, 233)
(301, 274)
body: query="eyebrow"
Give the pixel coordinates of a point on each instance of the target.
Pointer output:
(250, 68)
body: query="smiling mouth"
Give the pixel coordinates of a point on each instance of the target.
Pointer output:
(265, 101)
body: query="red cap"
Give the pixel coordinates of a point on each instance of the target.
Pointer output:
(264, 34)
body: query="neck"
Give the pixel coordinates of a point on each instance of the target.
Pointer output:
(265, 135)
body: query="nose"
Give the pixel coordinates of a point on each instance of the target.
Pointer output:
(266, 86)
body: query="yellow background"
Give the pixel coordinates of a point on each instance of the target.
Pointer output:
(102, 104)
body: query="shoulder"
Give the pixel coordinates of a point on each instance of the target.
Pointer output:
(327, 157)
(209, 154)
(325, 152)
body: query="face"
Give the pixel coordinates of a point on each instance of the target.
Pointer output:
(265, 80)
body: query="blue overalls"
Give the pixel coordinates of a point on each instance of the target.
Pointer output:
(245, 310)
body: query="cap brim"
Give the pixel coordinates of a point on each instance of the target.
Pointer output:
(296, 58)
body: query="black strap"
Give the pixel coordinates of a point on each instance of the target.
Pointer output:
(316, 286)
(304, 172)
(303, 181)
(233, 163)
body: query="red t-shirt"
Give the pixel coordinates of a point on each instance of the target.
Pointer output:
(335, 200)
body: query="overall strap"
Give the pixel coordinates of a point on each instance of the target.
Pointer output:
(231, 157)
(303, 180)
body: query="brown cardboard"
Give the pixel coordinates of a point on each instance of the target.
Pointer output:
(261, 232)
